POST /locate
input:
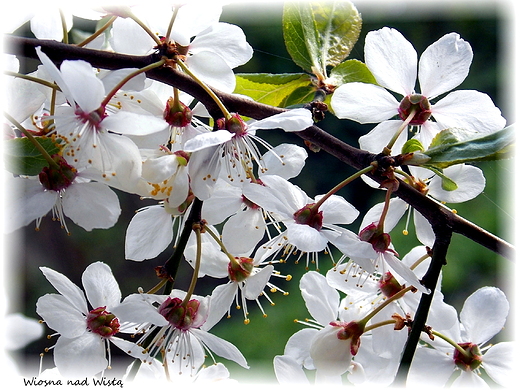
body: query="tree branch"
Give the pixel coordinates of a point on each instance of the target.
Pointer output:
(438, 215)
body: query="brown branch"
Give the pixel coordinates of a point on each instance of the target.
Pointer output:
(438, 216)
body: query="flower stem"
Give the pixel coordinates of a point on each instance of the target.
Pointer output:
(64, 27)
(170, 26)
(386, 303)
(379, 324)
(34, 141)
(33, 79)
(129, 77)
(145, 28)
(450, 341)
(209, 91)
(388, 149)
(317, 205)
(221, 244)
(196, 269)
(98, 32)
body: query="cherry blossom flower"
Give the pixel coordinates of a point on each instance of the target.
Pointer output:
(307, 229)
(85, 124)
(393, 61)
(85, 335)
(483, 315)
(235, 148)
(65, 192)
(179, 329)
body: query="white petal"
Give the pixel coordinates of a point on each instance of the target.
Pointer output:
(298, 347)
(204, 168)
(225, 40)
(21, 330)
(256, 283)
(403, 271)
(484, 314)
(225, 201)
(330, 355)
(363, 103)
(285, 160)
(130, 123)
(206, 140)
(213, 70)
(136, 309)
(288, 371)
(243, 231)
(396, 210)
(88, 91)
(430, 366)
(66, 288)
(129, 38)
(444, 65)
(292, 120)
(469, 380)
(306, 238)
(392, 60)
(128, 347)
(470, 183)
(149, 233)
(80, 357)
(337, 210)
(471, 110)
(423, 229)
(499, 363)
(55, 74)
(61, 316)
(29, 200)
(47, 23)
(100, 286)
(379, 137)
(23, 98)
(91, 205)
(321, 300)
(220, 303)
(221, 347)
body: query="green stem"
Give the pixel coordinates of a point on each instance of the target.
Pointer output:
(209, 91)
(33, 140)
(196, 269)
(450, 341)
(64, 27)
(318, 204)
(386, 303)
(388, 149)
(221, 244)
(129, 77)
(419, 261)
(33, 79)
(379, 324)
(145, 28)
(380, 224)
(170, 26)
(98, 32)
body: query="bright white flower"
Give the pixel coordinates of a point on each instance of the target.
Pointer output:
(234, 146)
(178, 326)
(81, 349)
(393, 61)
(307, 229)
(85, 125)
(66, 193)
(20, 331)
(483, 315)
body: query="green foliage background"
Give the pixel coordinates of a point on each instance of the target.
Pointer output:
(469, 266)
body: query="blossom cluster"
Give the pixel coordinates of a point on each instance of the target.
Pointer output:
(222, 197)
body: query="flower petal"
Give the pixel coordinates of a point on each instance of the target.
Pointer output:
(484, 314)
(80, 357)
(499, 363)
(66, 288)
(306, 238)
(379, 137)
(293, 120)
(444, 65)
(61, 316)
(336, 210)
(288, 371)
(220, 346)
(100, 286)
(321, 300)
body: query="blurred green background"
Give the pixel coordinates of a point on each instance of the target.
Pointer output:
(485, 25)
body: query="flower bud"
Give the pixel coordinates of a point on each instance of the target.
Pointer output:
(241, 269)
(57, 179)
(307, 215)
(102, 322)
(235, 124)
(417, 103)
(177, 114)
(471, 362)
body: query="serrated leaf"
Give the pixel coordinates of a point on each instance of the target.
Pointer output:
(271, 89)
(451, 146)
(22, 157)
(351, 71)
(320, 34)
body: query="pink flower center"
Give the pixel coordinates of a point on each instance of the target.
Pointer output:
(468, 362)
(102, 322)
(178, 315)
(418, 104)
(57, 179)
(93, 118)
(177, 114)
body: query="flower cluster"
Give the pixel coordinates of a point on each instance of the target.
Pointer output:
(222, 199)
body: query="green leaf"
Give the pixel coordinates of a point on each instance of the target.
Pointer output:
(350, 71)
(271, 89)
(320, 34)
(452, 146)
(447, 184)
(23, 158)
(299, 97)
(412, 145)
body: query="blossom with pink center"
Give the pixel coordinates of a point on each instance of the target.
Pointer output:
(85, 334)
(393, 61)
